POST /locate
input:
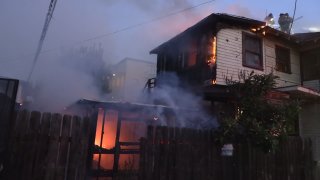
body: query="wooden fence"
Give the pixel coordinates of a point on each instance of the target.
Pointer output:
(47, 147)
(185, 154)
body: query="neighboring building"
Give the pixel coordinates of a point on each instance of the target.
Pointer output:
(221, 46)
(129, 78)
(8, 93)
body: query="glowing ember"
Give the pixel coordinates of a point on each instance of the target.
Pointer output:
(212, 52)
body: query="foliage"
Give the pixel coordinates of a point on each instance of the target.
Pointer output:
(257, 120)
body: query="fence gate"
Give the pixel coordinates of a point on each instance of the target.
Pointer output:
(8, 92)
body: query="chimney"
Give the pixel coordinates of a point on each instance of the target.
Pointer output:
(285, 22)
(269, 20)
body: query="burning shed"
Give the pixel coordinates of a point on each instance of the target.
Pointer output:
(118, 127)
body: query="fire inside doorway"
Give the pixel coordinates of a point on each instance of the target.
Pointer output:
(117, 132)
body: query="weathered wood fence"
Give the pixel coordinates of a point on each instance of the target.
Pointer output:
(185, 154)
(47, 146)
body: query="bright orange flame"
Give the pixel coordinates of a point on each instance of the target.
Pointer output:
(110, 126)
(253, 29)
(131, 131)
(214, 49)
(214, 81)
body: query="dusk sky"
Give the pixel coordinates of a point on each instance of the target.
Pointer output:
(76, 21)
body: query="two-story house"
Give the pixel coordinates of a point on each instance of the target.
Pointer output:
(221, 46)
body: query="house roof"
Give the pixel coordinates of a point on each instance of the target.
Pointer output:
(304, 37)
(133, 59)
(300, 91)
(211, 22)
(120, 105)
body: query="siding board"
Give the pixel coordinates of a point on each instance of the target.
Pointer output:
(229, 58)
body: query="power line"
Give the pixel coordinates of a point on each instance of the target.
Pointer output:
(294, 14)
(52, 6)
(123, 29)
(147, 22)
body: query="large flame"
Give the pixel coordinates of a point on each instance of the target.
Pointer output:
(130, 131)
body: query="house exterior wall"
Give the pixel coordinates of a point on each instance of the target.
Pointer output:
(130, 77)
(118, 80)
(310, 126)
(229, 59)
(137, 75)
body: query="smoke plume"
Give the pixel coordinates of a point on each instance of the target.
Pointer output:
(189, 109)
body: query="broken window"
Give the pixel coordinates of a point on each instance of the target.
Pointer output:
(283, 59)
(252, 51)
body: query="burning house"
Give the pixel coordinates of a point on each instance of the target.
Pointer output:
(221, 46)
(201, 58)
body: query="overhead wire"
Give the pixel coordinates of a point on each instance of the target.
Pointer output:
(147, 22)
(116, 31)
(45, 28)
(294, 14)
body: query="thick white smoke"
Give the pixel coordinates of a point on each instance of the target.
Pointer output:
(189, 109)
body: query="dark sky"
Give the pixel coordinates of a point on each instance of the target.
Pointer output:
(74, 21)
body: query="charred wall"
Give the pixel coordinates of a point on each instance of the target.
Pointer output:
(188, 58)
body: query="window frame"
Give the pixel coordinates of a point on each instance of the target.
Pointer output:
(244, 50)
(288, 63)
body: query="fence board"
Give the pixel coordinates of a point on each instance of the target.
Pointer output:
(83, 148)
(20, 129)
(63, 155)
(32, 141)
(40, 147)
(190, 154)
(75, 153)
(53, 152)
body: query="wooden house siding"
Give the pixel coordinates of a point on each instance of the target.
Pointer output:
(229, 59)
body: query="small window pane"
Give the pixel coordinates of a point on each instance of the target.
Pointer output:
(253, 60)
(252, 44)
(283, 59)
(252, 51)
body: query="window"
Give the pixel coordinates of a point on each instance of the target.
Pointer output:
(283, 59)
(252, 51)
(311, 64)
